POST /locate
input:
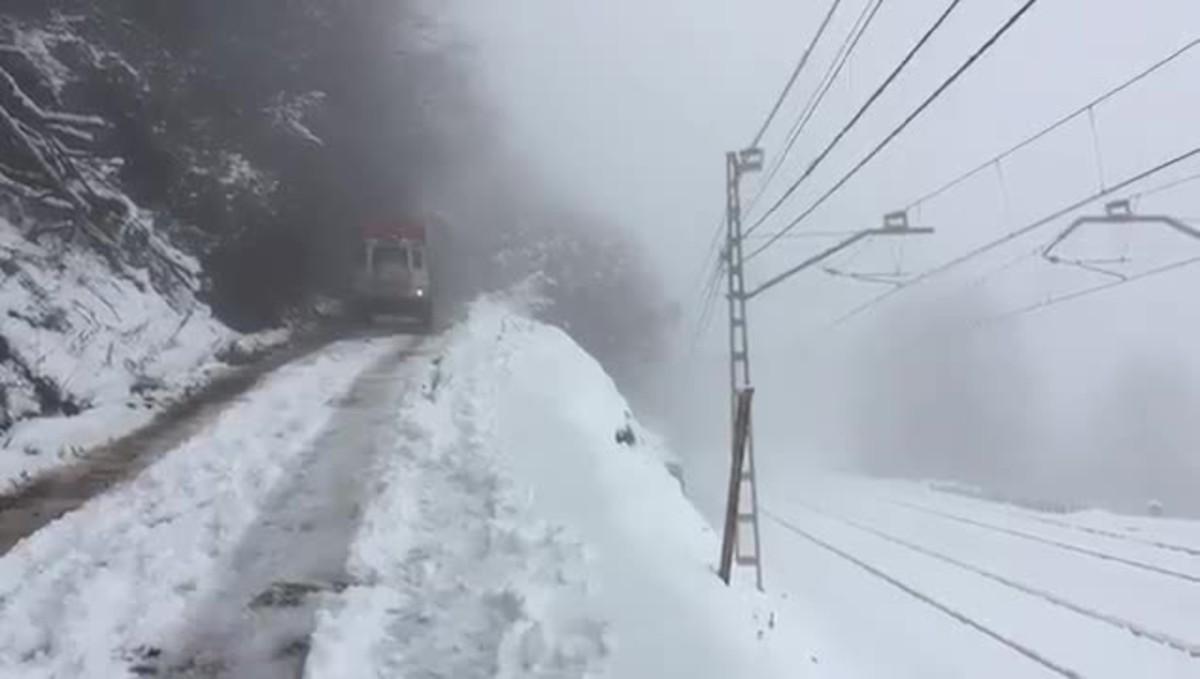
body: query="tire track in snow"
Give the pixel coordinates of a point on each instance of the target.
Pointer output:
(258, 622)
(926, 599)
(1133, 628)
(1133, 563)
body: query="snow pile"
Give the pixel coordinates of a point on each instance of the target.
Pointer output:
(250, 347)
(526, 526)
(87, 351)
(92, 593)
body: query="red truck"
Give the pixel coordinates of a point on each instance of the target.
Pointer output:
(393, 275)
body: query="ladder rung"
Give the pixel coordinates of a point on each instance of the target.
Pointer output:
(747, 561)
(738, 322)
(739, 355)
(747, 517)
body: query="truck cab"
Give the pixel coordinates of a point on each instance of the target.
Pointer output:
(393, 276)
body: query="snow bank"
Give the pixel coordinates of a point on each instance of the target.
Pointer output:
(79, 597)
(527, 526)
(87, 354)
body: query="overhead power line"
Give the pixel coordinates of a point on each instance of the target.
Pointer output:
(711, 272)
(710, 295)
(1155, 190)
(983, 49)
(1005, 267)
(1057, 124)
(806, 234)
(883, 87)
(711, 254)
(1017, 233)
(1095, 289)
(1158, 65)
(845, 51)
(796, 72)
(708, 282)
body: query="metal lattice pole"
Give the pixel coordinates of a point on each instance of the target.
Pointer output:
(742, 472)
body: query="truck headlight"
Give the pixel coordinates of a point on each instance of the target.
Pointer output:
(420, 292)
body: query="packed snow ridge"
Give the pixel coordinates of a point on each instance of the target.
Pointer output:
(544, 533)
(507, 517)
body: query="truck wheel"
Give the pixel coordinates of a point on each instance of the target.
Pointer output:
(362, 314)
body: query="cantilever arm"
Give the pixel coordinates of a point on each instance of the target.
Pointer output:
(826, 254)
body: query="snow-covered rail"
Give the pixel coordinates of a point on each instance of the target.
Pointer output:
(954, 613)
(1102, 532)
(1138, 630)
(1133, 563)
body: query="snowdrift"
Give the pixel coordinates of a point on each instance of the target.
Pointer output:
(556, 543)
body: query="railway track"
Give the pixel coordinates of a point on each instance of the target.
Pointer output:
(982, 628)
(1116, 535)
(1138, 630)
(1186, 651)
(1015, 510)
(1097, 554)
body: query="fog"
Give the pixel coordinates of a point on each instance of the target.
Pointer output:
(583, 143)
(629, 107)
(244, 389)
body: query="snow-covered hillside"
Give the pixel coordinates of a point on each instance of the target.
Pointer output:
(99, 317)
(477, 505)
(88, 348)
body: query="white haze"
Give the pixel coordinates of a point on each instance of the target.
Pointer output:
(629, 107)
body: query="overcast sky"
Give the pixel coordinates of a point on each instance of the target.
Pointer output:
(628, 107)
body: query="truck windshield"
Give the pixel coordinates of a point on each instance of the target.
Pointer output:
(390, 258)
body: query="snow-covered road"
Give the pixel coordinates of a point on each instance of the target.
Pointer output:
(155, 573)
(297, 547)
(941, 585)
